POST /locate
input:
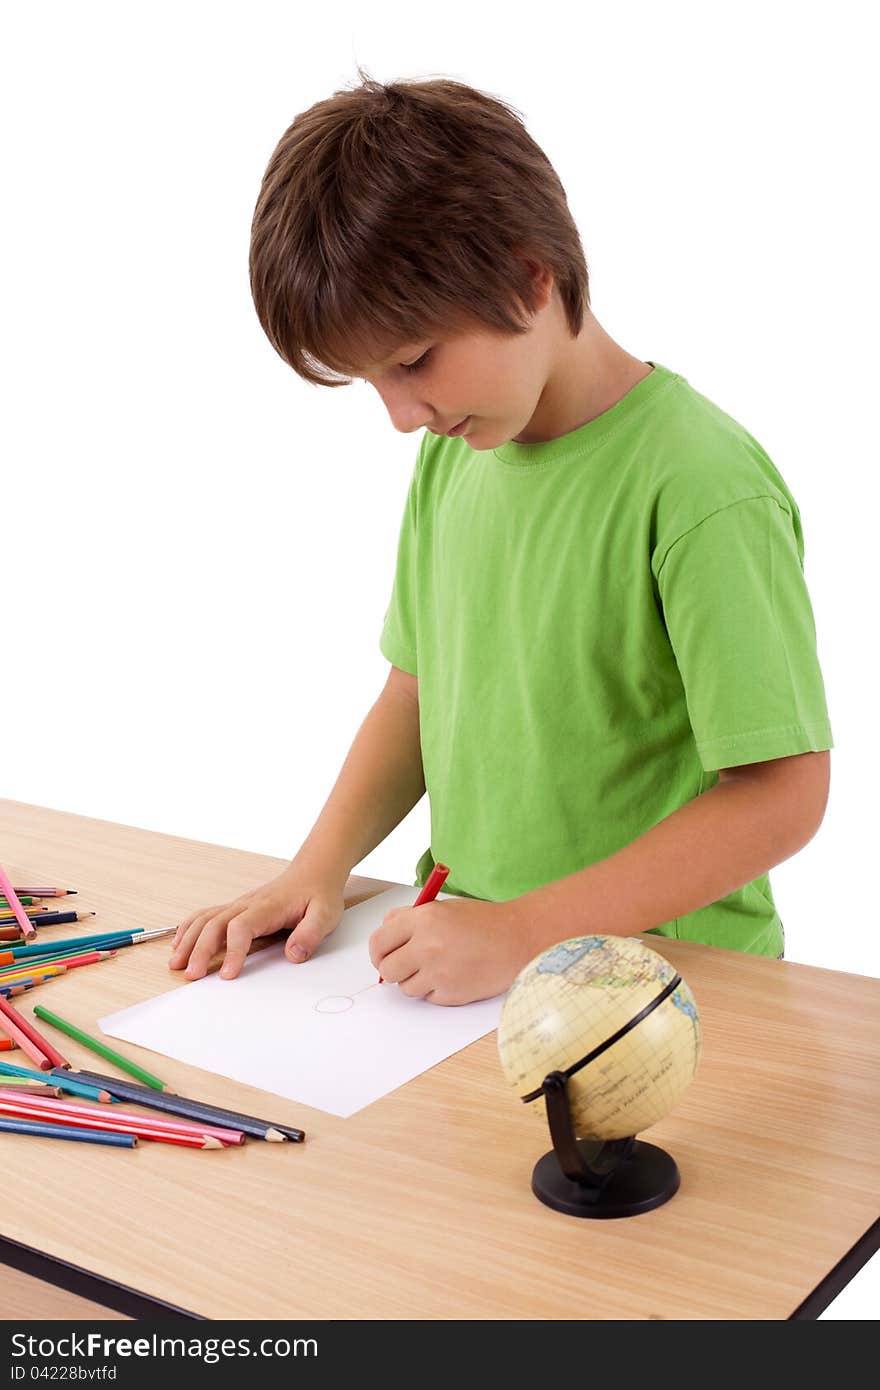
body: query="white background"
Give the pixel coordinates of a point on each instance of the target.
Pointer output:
(198, 546)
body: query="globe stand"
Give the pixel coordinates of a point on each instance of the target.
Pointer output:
(581, 1177)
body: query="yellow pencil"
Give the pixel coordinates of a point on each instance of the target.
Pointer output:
(37, 972)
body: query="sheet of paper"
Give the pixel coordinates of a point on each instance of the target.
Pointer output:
(324, 1033)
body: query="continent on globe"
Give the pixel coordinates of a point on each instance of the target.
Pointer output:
(616, 1018)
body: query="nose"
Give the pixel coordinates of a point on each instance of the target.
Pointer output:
(406, 412)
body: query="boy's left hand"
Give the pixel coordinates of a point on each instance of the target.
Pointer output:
(451, 950)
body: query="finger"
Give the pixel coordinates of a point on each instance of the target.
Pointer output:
(394, 932)
(201, 915)
(318, 921)
(211, 940)
(418, 986)
(399, 965)
(239, 935)
(180, 954)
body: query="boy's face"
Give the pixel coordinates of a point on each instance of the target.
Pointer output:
(485, 383)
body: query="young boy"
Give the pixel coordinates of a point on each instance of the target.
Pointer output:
(603, 655)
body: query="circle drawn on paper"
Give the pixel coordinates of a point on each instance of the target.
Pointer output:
(334, 1004)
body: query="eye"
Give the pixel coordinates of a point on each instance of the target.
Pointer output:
(418, 364)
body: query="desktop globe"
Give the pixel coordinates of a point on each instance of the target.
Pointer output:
(600, 1036)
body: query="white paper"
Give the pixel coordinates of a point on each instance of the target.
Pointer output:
(324, 1033)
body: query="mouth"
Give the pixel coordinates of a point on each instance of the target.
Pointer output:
(459, 428)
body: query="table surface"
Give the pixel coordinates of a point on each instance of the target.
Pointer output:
(420, 1206)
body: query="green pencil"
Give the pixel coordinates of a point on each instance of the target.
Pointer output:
(102, 1050)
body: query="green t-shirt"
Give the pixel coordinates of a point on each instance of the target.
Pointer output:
(599, 623)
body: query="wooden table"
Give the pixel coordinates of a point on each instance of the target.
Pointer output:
(419, 1206)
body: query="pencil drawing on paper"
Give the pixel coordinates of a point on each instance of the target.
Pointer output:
(340, 1003)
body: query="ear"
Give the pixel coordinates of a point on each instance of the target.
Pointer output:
(543, 279)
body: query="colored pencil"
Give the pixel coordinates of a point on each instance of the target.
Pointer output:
(8, 1044)
(62, 961)
(106, 940)
(46, 892)
(52, 919)
(70, 956)
(193, 1109)
(10, 895)
(25, 901)
(435, 881)
(20, 1085)
(12, 1029)
(72, 1084)
(15, 1125)
(95, 1045)
(30, 1107)
(49, 1050)
(122, 1118)
(32, 972)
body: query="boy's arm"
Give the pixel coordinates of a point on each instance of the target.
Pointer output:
(380, 782)
(752, 819)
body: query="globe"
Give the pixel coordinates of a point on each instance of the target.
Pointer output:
(616, 1019)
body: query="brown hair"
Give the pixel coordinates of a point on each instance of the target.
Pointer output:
(393, 212)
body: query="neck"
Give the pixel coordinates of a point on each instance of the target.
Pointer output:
(589, 374)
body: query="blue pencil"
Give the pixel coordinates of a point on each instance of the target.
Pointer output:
(83, 1136)
(88, 1090)
(107, 939)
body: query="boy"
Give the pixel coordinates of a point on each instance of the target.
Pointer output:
(603, 658)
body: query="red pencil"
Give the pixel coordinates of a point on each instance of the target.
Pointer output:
(51, 1056)
(110, 1123)
(435, 882)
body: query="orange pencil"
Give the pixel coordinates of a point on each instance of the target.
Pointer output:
(435, 882)
(37, 972)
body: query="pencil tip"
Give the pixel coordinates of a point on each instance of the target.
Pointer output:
(212, 1143)
(275, 1136)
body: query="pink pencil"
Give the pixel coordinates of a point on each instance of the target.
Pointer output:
(22, 918)
(18, 1035)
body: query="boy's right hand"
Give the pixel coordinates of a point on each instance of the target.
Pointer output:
(310, 902)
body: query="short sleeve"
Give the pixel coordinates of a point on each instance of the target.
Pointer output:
(398, 639)
(739, 618)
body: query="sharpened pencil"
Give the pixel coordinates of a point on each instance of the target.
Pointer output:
(122, 1118)
(69, 1084)
(46, 892)
(193, 1109)
(105, 1122)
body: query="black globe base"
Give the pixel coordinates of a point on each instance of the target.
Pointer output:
(643, 1178)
